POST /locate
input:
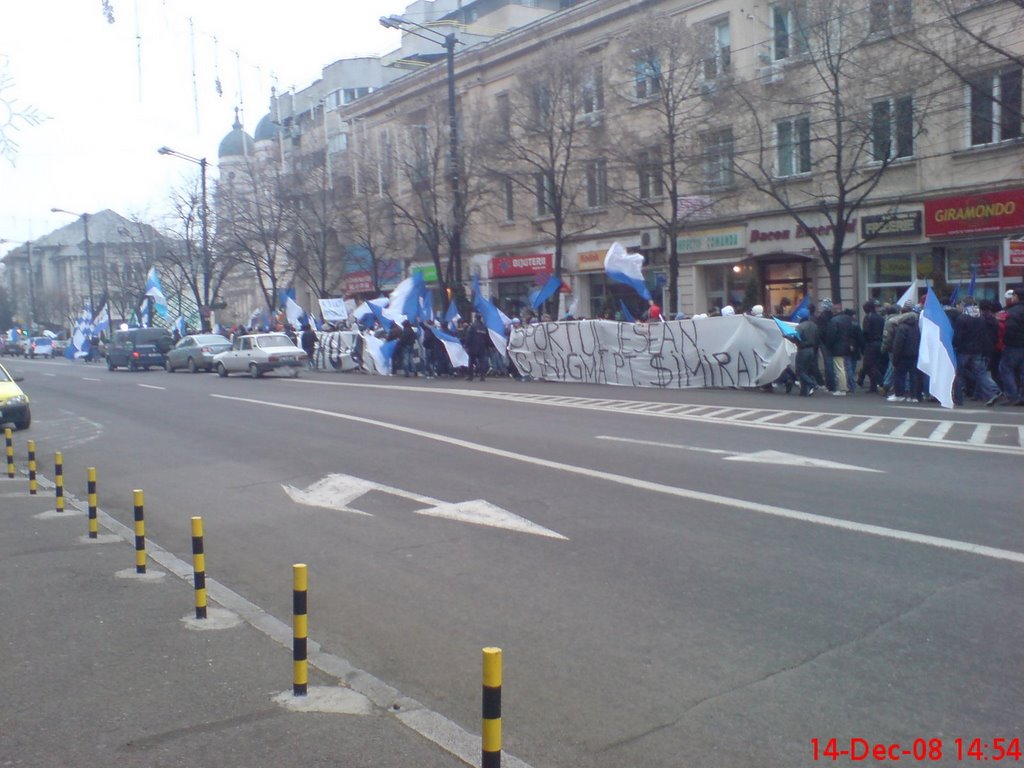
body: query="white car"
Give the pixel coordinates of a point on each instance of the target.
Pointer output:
(258, 353)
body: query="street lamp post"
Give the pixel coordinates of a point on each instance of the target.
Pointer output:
(88, 256)
(448, 41)
(204, 215)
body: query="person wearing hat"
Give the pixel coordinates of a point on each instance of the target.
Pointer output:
(823, 318)
(906, 343)
(871, 328)
(1011, 364)
(757, 311)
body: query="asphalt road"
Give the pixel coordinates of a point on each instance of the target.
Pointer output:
(691, 598)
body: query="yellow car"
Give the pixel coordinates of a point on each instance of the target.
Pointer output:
(14, 408)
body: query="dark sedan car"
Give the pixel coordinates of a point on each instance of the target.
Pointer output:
(196, 352)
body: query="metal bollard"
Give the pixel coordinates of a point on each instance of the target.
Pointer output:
(300, 629)
(58, 479)
(491, 729)
(9, 440)
(199, 567)
(91, 488)
(140, 533)
(33, 484)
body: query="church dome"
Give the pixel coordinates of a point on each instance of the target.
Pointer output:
(236, 143)
(267, 129)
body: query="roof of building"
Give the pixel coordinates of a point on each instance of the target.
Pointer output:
(236, 143)
(267, 129)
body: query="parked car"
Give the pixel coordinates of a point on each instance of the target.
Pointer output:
(14, 404)
(60, 346)
(139, 348)
(11, 347)
(258, 353)
(40, 346)
(195, 352)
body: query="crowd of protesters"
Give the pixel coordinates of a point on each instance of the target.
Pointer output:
(835, 352)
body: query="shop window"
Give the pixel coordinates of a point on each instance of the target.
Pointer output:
(890, 268)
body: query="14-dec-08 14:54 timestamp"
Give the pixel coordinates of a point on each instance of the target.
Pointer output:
(921, 750)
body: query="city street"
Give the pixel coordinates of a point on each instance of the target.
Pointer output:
(676, 578)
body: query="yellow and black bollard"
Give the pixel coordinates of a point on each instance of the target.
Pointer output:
(58, 479)
(300, 629)
(199, 567)
(33, 484)
(90, 476)
(9, 440)
(140, 533)
(491, 730)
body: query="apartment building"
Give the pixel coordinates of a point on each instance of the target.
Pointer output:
(754, 153)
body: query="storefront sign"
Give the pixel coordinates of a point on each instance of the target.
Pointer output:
(711, 240)
(429, 272)
(771, 236)
(588, 261)
(520, 266)
(1013, 253)
(970, 214)
(357, 282)
(904, 224)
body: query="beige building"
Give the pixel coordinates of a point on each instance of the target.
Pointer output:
(753, 154)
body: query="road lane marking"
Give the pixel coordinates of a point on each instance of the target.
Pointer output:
(84, 378)
(338, 491)
(668, 490)
(778, 458)
(151, 386)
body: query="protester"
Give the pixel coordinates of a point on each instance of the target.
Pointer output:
(1011, 364)
(308, 345)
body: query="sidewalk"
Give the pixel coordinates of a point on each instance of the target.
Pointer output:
(100, 669)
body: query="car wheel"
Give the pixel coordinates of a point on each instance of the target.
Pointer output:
(168, 367)
(254, 370)
(26, 422)
(192, 365)
(221, 370)
(110, 365)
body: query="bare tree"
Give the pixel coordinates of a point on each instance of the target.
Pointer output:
(679, 75)
(200, 275)
(311, 194)
(540, 144)
(256, 223)
(820, 139)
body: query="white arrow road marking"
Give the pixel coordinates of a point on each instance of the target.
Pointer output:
(337, 491)
(652, 487)
(758, 457)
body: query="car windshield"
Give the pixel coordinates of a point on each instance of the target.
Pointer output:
(273, 341)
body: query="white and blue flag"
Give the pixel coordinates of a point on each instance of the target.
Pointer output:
(541, 294)
(154, 291)
(180, 326)
(404, 301)
(935, 356)
(456, 352)
(626, 268)
(294, 312)
(492, 318)
(452, 316)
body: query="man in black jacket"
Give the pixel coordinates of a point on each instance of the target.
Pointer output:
(1011, 365)
(478, 342)
(872, 328)
(973, 345)
(837, 340)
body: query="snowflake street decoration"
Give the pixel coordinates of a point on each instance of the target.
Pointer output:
(12, 115)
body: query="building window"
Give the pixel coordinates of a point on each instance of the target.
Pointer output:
(648, 78)
(593, 90)
(718, 62)
(788, 36)
(793, 146)
(995, 106)
(510, 210)
(540, 106)
(348, 95)
(597, 183)
(504, 108)
(718, 148)
(892, 128)
(887, 15)
(545, 193)
(649, 174)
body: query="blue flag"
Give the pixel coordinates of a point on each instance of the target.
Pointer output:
(378, 313)
(626, 313)
(974, 280)
(545, 292)
(802, 311)
(935, 356)
(452, 315)
(491, 316)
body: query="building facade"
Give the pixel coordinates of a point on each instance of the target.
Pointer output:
(752, 154)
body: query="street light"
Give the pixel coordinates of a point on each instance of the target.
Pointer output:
(88, 256)
(201, 162)
(448, 41)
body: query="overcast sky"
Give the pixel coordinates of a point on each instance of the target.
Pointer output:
(112, 93)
